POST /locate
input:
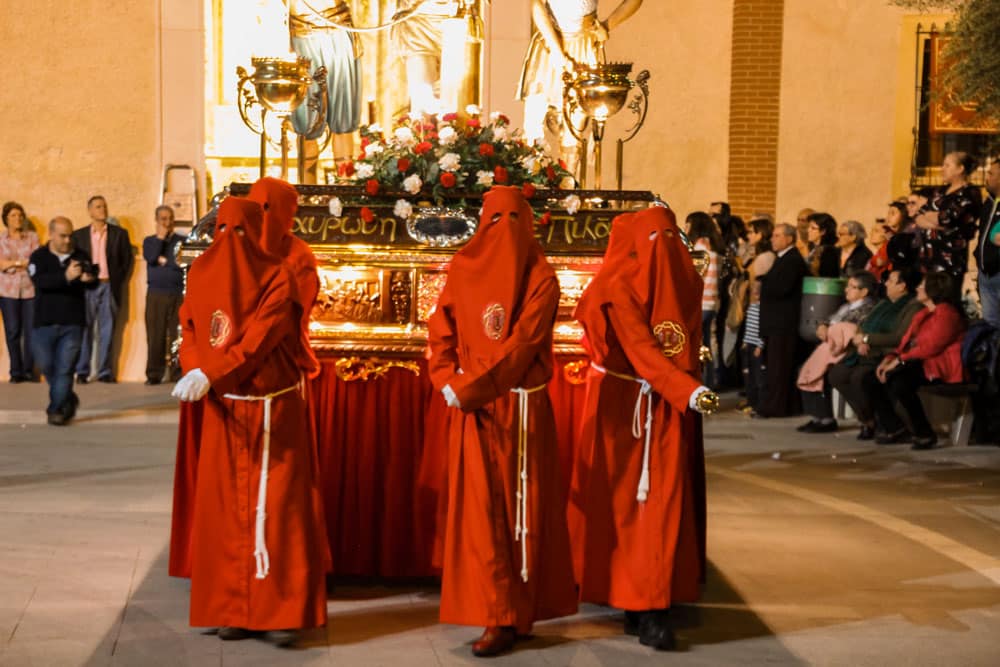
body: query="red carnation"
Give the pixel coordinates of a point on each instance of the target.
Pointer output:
(364, 143)
(450, 117)
(528, 190)
(371, 187)
(545, 220)
(402, 164)
(428, 127)
(345, 169)
(486, 150)
(500, 175)
(422, 147)
(366, 214)
(562, 163)
(473, 123)
(503, 120)
(550, 174)
(448, 179)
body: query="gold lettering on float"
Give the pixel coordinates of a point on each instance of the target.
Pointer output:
(328, 226)
(391, 223)
(348, 228)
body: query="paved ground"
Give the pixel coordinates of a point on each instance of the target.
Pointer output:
(824, 551)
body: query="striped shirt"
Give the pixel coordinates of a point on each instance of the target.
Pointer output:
(709, 297)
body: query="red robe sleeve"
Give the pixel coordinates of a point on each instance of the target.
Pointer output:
(646, 355)
(442, 342)
(275, 318)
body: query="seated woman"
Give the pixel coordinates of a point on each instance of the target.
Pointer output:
(878, 334)
(930, 351)
(834, 339)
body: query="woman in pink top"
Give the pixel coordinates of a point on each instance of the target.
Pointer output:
(17, 293)
(705, 235)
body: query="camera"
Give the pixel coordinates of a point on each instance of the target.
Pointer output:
(88, 267)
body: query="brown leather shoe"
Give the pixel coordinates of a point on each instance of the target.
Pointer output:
(495, 640)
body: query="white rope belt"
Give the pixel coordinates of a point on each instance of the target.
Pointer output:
(260, 546)
(521, 520)
(645, 391)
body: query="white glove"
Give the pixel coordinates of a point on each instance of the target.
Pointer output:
(192, 387)
(693, 401)
(450, 398)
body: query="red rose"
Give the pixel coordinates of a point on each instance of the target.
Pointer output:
(550, 174)
(371, 187)
(500, 175)
(448, 179)
(450, 117)
(402, 164)
(345, 169)
(562, 163)
(473, 123)
(366, 214)
(422, 147)
(545, 220)
(486, 150)
(528, 190)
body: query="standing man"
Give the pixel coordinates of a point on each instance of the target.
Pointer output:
(57, 270)
(110, 250)
(987, 250)
(506, 546)
(780, 303)
(164, 292)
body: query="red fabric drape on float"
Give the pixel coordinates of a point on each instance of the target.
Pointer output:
(383, 461)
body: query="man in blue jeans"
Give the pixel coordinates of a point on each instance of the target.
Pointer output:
(61, 275)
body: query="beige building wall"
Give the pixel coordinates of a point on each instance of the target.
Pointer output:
(843, 77)
(94, 104)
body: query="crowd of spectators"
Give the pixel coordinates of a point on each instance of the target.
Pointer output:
(902, 320)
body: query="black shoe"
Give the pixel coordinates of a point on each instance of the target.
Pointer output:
(825, 427)
(227, 633)
(70, 406)
(925, 442)
(282, 638)
(17, 379)
(57, 419)
(106, 379)
(808, 427)
(150, 382)
(866, 433)
(891, 438)
(654, 631)
(82, 379)
(632, 621)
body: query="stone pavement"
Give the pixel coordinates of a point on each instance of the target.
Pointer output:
(824, 551)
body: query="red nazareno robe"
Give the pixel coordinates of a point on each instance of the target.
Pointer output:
(241, 328)
(492, 333)
(642, 319)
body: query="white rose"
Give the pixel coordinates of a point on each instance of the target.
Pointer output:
(499, 134)
(473, 110)
(447, 135)
(373, 149)
(336, 206)
(364, 171)
(405, 136)
(484, 178)
(567, 183)
(403, 209)
(412, 184)
(571, 204)
(450, 162)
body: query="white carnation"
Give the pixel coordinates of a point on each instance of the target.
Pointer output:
(412, 184)
(450, 162)
(336, 206)
(571, 204)
(567, 183)
(473, 110)
(403, 209)
(405, 136)
(484, 178)
(499, 134)
(447, 135)
(364, 171)
(373, 149)
(374, 128)
(531, 164)
(494, 116)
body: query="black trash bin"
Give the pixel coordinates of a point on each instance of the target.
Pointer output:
(821, 297)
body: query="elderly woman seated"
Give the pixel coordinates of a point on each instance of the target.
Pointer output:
(878, 334)
(930, 351)
(835, 336)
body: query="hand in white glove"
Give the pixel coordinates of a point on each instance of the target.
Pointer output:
(450, 398)
(192, 387)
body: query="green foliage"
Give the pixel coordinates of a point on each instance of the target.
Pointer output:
(974, 49)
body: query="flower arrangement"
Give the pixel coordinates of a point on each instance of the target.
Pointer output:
(428, 161)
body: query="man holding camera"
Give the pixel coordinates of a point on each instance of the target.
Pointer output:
(61, 285)
(109, 248)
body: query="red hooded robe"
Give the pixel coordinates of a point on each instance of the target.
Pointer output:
(642, 319)
(490, 334)
(241, 328)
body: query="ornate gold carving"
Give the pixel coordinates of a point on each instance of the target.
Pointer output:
(349, 296)
(429, 287)
(571, 287)
(705, 354)
(399, 294)
(671, 336)
(575, 372)
(707, 402)
(352, 369)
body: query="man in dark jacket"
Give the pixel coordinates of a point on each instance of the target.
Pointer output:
(57, 270)
(109, 248)
(164, 292)
(780, 302)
